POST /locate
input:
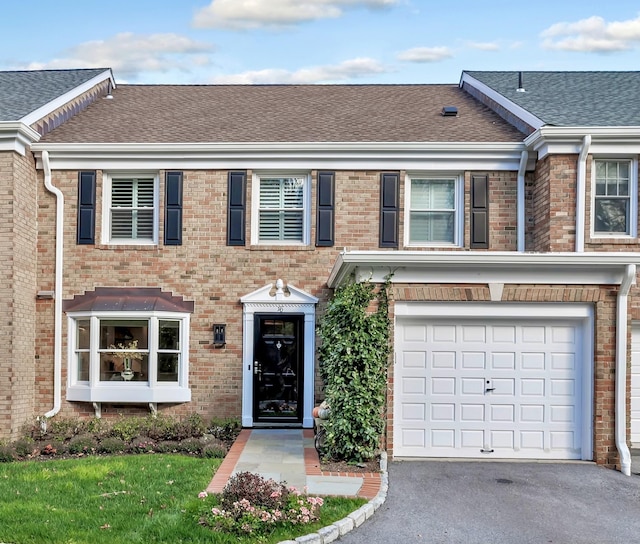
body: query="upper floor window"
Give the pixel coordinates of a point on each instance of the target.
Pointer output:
(614, 201)
(131, 209)
(281, 209)
(434, 207)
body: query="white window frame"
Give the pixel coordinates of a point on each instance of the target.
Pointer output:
(255, 208)
(633, 198)
(96, 390)
(106, 208)
(458, 229)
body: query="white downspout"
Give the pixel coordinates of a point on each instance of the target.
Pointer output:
(621, 370)
(57, 328)
(521, 226)
(581, 192)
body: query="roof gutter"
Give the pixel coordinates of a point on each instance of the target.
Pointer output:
(57, 350)
(581, 191)
(621, 370)
(522, 168)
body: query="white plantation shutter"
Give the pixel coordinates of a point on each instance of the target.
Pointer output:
(432, 215)
(281, 213)
(132, 209)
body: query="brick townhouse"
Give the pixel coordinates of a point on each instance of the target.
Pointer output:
(172, 248)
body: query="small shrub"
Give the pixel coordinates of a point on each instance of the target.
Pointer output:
(127, 428)
(7, 454)
(224, 429)
(98, 427)
(112, 444)
(193, 425)
(191, 445)
(64, 429)
(142, 445)
(250, 504)
(168, 446)
(162, 427)
(81, 444)
(24, 447)
(214, 450)
(255, 489)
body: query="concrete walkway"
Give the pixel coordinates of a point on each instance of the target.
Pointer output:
(288, 455)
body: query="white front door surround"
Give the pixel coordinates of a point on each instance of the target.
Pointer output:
(493, 381)
(278, 299)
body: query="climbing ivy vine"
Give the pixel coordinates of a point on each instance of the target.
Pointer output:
(354, 355)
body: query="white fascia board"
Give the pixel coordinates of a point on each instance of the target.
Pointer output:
(502, 100)
(16, 136)
(277, 155)
(482, 267)
(63, 99)
(568, 140)
(530, 310)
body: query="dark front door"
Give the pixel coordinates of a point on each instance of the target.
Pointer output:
(277, 368)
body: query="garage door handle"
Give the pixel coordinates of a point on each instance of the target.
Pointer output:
(486, 450)
(489, 389)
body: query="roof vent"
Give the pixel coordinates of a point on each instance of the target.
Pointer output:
(520, 88)
(450, 111)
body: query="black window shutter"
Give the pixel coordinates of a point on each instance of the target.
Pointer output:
(86, 228)
(389, 209)
(479, 212)
(236, 208)
(326, 204)
(173, 209)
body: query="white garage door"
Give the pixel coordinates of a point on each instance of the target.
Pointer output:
(487, 388)
(635, 385)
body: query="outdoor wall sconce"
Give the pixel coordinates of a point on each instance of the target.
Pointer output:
(219, 335)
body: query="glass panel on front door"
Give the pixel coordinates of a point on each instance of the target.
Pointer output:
(277, 372)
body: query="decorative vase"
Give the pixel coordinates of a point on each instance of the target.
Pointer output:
(127, 373)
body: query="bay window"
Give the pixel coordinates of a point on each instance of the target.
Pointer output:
(128, 357)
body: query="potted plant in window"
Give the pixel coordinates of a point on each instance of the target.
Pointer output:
(126, 353)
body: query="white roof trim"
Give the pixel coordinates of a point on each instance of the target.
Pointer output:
(604, 140)
(279, 296)
(61, 100)
(482, 267)
(268, 155)
(16, 136)
(502, 100)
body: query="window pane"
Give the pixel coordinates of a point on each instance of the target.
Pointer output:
(83, 334)
(132, 209)
(431, 227)
(117, 367)
(611, 215)
(431, 194)
(82, 361)
(169, 335)
(124, 334)
(168, 364)
(281, 213)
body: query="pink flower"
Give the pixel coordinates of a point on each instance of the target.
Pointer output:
(203, 495)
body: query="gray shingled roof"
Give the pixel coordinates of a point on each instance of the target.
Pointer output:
(25, 91)
(572, 98)
(284, 113)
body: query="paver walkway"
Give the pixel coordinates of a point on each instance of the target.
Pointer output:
(289, 455)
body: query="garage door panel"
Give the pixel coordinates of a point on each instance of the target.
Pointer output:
(492, 389)
(443, 359)
(414, 359)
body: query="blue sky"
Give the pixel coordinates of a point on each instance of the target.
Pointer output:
(318, 41)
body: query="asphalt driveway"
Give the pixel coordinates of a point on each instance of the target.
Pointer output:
(504, 502)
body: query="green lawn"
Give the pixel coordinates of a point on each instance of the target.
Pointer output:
(119, 499)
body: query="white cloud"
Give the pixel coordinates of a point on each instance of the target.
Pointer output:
(426, 54)
(346, 70)
(246, 14)
(129, 54)
(485, 46)
(593, 35)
